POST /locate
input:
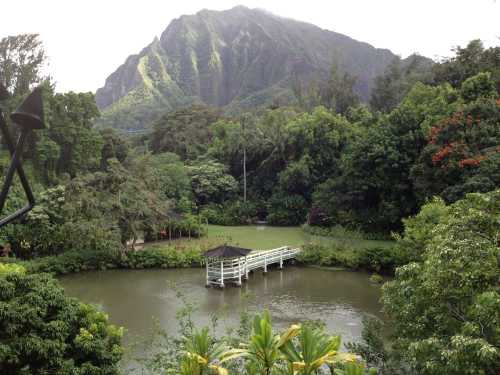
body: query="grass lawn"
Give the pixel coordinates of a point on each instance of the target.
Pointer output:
(267, 237)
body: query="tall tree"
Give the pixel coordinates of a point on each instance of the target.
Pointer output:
(185, 132)
(467, 62)
(22, 59)
(339, 92)
(71, 118)
(445, 308)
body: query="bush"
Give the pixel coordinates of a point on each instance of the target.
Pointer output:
(76, 261)
(376, 278)
(339, 231)
(316, 254)
(189, 226)
(162, 258)
(287, 210)
(73, 261)
(7, 268)
(381, 259)
(230, 213)
(45, 332)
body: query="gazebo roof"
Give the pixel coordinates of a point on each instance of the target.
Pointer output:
(226, 251)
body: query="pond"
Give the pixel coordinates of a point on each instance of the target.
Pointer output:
(132, 298)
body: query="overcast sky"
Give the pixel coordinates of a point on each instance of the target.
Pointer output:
(87, 40)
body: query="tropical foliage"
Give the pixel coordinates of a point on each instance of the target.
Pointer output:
(445, 306)
(299, 350)
(44, 332)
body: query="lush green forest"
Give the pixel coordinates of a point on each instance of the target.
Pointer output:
(420, 163)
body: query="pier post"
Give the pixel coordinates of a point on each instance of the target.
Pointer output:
(265, 263)
(246, 268)
(222, 274)
(281, 260)
(208, 279)
(239, 271)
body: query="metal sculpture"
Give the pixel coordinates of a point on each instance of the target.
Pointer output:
(28, 117)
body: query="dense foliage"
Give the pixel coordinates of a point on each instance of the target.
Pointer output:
(445, 306)
(44, 332)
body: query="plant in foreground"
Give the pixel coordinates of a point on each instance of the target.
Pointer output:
(299, 350)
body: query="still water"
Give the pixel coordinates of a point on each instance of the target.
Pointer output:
(134, 299)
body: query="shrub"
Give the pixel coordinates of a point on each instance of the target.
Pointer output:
(376, 278)
(328, 256)
(76, 261)
(162, 258)
(286, 210)
(378, 259)
(73, 261)
(230, 213)
(339, 231)
(45, 332)
(8, 268)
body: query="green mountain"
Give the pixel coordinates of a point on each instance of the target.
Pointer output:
(236, 59)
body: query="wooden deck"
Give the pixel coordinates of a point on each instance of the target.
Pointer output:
(221, 271)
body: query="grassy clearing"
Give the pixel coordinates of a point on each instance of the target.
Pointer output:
(268, 237)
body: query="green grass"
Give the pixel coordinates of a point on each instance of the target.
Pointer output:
(267, 237)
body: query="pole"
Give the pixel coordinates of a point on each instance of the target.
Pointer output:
(222, 273)
(239, 271)
(208, 279)
(243, 120)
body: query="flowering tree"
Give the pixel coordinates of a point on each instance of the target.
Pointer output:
(462, 151)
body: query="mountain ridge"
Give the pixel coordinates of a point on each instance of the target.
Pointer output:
(235, 59)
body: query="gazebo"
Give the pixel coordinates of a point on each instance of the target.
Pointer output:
(226, 263)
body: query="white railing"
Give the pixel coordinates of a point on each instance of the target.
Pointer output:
(220, 270)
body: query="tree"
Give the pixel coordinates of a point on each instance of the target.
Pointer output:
(44, 332)
(398, 79)
(374, 190)
(185, 132)
(63, 221)
(174, 182)
(211, 183)
(114, 146)
(322, 137)
(236, 144)
(468, 62)
(22, 58)
(388, 93)
(339, 92)
(71, 117)
(445, 308)
(462, 152)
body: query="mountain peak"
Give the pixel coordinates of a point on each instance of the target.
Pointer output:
(235, 59)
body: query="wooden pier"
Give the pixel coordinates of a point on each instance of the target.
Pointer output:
(224, 270)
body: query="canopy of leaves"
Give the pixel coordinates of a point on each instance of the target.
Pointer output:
(185, 132)
(44, 332)
(445, 308)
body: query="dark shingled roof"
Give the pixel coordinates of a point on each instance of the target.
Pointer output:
(227, 251)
